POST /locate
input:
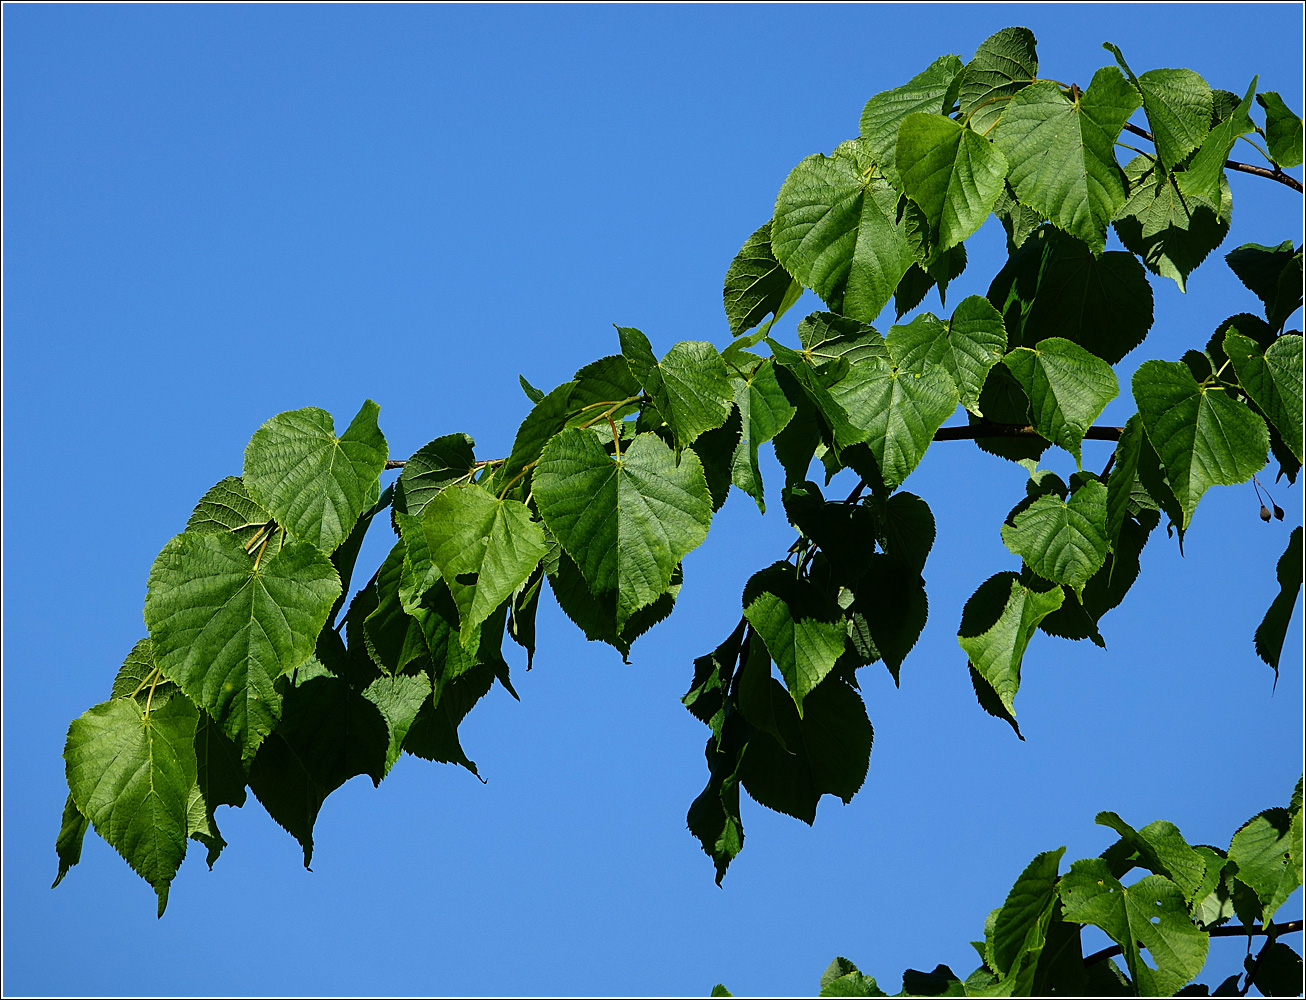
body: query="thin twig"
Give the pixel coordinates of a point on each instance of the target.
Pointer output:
(1227, 930)
(1247, 168)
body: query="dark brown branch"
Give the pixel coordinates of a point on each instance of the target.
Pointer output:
(988, 429)
(395, 463)
(1228, 930)
(1247, 168)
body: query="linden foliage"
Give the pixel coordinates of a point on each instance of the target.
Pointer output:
(258, 674)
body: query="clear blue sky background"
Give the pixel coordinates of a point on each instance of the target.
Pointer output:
(215, 213)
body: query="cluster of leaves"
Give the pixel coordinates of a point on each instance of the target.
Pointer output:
(1161, 923)
(256, 675)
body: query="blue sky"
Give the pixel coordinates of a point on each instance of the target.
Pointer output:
(215, 213)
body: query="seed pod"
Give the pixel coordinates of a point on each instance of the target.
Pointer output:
(1265, 513)
(1278, 512)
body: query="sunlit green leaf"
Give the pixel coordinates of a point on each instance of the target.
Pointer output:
(130, 773)
(1149, 914)
(756, 285)
(1064, 542)
(1004, 64)
(1067, 388)
(485, 547)
(953, 173)
(626, 522)
(931, 91)
(1062, 154)
(835, 229)
(996, 626)
(802, 628)
(314, 483)
(1202, 436)
(1283, 130)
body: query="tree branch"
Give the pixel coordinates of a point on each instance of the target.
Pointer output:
(1247, 168)
(982, 429)
(1228, 930)
(987, 429)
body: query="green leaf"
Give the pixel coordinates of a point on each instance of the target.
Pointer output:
(219, 781)
(827, 337)
(690, 389)
(842, 979)
(314, 483)
(1178, 103)
(1203, 437)
(1283, 130)
(434, 732)
(1063, 542)
(1158, 847)
(1150, 913)
(1123, 479)
(1171, 232)
(225, 626)
(996, 626)
(638, 353)
(393, 638)
(485, 547)
(756, 284)
(627, 522)
(398, 699)
(713, 817)
(844, 532)
(532, 393)
(546, 418)
(596, 614)
(835, 230)
(764, 411)
(1021, 923)
(825, 751)
(1054, 286)
(68, 845)
(435, 467)
(1263, 851)
(1004, 64)
(1067, 388)
(229, 507)
(895, 411)
(1202, 177)
(1278, 969)
(706, 697)
(1274, 274)
(1274, 381)
(931, 91)
(1274, 626)
(954, 174)
(327, 734)
(1062, 152)
(802, 628)
(130, 773)
(1017, 219)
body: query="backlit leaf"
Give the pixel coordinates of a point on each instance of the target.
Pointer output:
(996, 626)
